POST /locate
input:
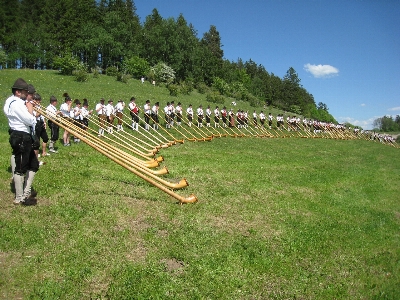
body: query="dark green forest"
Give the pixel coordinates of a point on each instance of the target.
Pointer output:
(107, 36)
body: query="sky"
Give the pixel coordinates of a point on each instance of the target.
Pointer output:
(346, 52)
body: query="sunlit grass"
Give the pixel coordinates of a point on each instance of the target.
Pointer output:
(276, 218)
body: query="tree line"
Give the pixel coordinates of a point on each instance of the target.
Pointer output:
(107, 36)
(387, 124)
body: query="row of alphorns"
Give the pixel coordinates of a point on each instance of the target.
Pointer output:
(188, 130)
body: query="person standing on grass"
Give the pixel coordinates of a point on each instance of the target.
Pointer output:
(110, 112)
(270, 118)
(147, 114)
(154, 115)
(262, 118)
(134, 112)
(65, 110)
(255, 118)
(21, 129)
(101, 114)
(216, 117)
(52, 111)
(76, 114)
(178, 111)
(40, 129)
(189, 112)
(224, 115)
(85, 112)
(200, 114)
(208, 116)
(167, 114)
(119, 112)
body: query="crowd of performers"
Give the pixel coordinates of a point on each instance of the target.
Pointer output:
(112, 116)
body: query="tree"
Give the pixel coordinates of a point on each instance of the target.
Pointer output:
(3, 58)
(386, 124)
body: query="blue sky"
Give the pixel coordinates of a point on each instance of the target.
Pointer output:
(346, 52)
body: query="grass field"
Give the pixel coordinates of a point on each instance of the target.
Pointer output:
(277, 218)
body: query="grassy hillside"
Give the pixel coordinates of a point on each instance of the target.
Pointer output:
(277, 218)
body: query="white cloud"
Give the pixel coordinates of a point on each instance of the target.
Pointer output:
(394, 108)
(321, 70)
(363, 104)
(365, 124)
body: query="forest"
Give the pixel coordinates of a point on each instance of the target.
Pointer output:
(107, 36)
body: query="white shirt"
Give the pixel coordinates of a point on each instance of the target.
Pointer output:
(110, 110)
(65, 110)
(200, 111)
(19, 118)
(147, 109)
(167, 110)
(120, 107)
(189, 111)
(77, 114)
(101, 109)
(85, 112)
(51, 110)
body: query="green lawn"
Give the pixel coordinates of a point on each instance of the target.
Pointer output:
(277, 218)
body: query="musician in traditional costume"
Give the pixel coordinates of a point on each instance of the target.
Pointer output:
(110, 113)
(216, 117)
(154, 115)
(178, 111)
(85, 112)
(255, 118)
(65, 110)
(172, 113)
(200, 115)
(147, 114)
(189, 113)
(224, 115)
(270, 118)
(101, 114)
(231, 115)
(262, 118)
(134, 112)
(208, 116)
(76, 114)
(119, 112)
(167, 115)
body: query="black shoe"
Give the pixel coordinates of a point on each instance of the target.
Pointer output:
(33, 193)
(30, 201)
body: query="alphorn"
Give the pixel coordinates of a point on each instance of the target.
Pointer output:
(98, 145)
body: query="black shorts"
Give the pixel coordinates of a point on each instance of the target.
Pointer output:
(22, 148)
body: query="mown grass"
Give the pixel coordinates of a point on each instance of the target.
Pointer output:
(276, 218)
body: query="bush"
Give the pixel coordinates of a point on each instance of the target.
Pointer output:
(202, 88)
(96, 72)
(215, 97)
(173, 89)
(186, 87)
(80, 75)
(136, 66)
(112, 71)
(66, 64)
(123, 77)
(162, 73)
